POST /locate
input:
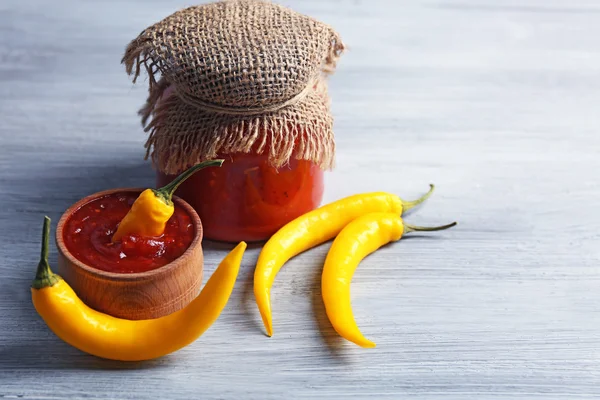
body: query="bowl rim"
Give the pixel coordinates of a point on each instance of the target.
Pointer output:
(127, 277)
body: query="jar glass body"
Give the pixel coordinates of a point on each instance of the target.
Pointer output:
(247, 199)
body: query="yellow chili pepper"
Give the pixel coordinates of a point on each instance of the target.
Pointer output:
(151, 211)
(358, 239)
(119, 339)
(313, 229)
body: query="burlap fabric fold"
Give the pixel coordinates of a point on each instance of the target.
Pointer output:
(246, 75)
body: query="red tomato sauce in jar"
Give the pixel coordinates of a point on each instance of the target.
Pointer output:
(88, 232)
(247, 199)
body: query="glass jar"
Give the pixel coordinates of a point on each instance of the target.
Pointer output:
(247, 199)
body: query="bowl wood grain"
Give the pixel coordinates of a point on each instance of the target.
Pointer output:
(136, 296)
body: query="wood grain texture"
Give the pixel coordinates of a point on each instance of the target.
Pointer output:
(495, 102)
(143, 295)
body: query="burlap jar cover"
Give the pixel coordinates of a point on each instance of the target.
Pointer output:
(247, 75)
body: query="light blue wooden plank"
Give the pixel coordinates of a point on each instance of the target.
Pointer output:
(496, 102)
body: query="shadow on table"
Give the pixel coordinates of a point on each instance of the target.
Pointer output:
(334, 342)
(339, 348)
(248, 301)
(57, 355)
(76, 183)
(208, 244)
(52, 189)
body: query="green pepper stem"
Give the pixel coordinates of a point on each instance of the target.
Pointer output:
(412, 228)
(407, 205)
(45, 242)
(166, 192)
(44, 276)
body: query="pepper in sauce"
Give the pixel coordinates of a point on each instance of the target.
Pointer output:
(153, 208)
(88, 232)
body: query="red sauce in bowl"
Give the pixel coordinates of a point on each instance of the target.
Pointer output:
(88, 231)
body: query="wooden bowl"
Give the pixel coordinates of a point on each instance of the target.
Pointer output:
(143, 295)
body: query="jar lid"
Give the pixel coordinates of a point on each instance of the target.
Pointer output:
(237, 54)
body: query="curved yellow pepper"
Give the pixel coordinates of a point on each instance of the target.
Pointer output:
(313, 229)
(358, 239)
(152, 209)
(119, 339)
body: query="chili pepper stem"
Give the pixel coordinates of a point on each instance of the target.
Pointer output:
(44, 276)
(165, 193)
(407, 205)
(412, 228)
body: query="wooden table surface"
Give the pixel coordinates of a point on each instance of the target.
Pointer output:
(494, 101)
